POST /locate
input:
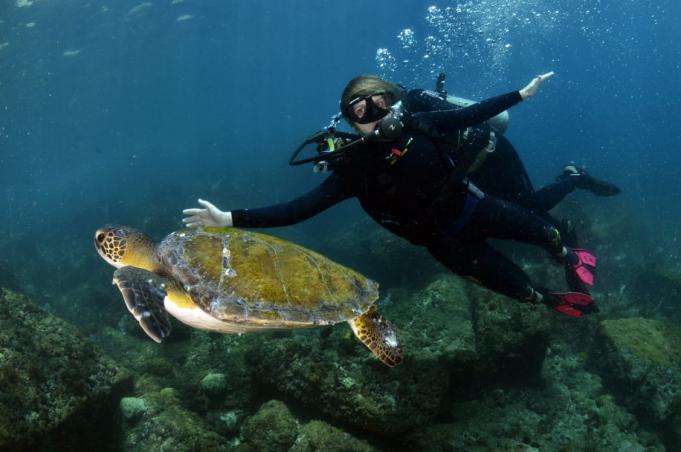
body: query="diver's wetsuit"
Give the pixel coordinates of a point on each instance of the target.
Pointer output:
(396, 183)
(502, 174)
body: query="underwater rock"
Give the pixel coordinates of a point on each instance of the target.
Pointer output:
(133, 408)
(57, 388)
(511, 337)
(568, 412)
(87, 307)
(640, 359)
(328, 371)
(167, 425)
(222, 354)
(656, 290)
(169, 393)
(320, 436)
(214, 384)
(271, 428)
(227, 423)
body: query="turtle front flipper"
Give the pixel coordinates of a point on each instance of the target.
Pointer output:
(378, 335)
(144, 292)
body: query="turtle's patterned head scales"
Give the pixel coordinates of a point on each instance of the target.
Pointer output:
(111, 243)
(122, 246)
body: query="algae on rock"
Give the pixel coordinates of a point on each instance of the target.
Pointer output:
(57, 387)
(641, 360)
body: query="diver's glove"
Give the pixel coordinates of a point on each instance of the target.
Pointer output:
(534, 85)
(209, 216)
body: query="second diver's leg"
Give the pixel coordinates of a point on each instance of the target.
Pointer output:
(503, 175)
(578, 176)
(546, 198)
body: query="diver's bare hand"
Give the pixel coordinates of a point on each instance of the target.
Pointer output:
(208, 216)
(533, 86)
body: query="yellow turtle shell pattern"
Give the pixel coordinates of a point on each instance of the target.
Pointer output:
(247, 277)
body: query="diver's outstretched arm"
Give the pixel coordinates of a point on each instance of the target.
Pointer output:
(330, 192)
(534, 85)
(450, 121)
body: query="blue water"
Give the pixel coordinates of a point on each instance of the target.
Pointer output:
(141, 101)
(127, 112)
(108, 111)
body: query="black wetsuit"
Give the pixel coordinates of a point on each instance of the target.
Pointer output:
(397, 182)
(503, 173)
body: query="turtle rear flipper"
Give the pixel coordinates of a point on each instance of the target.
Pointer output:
(378, 335)
(144, 293)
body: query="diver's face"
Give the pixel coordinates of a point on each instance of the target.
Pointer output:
(367, 113)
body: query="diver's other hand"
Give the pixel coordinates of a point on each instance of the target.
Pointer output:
(208, 216)
(534, 85)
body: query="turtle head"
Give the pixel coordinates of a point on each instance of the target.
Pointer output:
(123, 246)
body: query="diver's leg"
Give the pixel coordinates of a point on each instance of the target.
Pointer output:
(546, 198)
(578, 176)
(504, 175)
(494, 217)
(498, 218)
(571, 178)
(481, 263)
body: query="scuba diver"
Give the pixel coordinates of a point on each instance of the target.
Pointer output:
(405, 170)
(497, 168)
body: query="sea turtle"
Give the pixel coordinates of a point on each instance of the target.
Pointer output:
(236, 281)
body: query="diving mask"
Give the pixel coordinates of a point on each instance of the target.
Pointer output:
(363, 110)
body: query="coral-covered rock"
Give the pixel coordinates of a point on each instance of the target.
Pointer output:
(167, 425)
(320, 436)
(57, 388)
(271, 428)
(329, 372)
(567, 412)
(214, 384)
(641, 360)
(133, 408)
(511, 337)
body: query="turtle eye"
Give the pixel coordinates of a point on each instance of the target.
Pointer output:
(100, 237)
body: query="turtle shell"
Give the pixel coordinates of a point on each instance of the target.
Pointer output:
(247, 277)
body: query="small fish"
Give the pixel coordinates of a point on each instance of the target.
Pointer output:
(139, 9)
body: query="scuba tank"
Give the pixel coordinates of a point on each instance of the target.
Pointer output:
(498, 124)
